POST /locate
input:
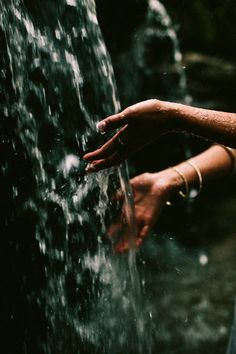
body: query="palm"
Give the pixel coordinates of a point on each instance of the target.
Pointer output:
(139, 125)
(149, 201)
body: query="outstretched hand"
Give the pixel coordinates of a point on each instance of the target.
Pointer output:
(151, 191)
(138, 125)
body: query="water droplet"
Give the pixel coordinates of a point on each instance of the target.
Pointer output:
(203, 259)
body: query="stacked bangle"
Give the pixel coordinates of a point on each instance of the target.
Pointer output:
(186, 193)
(191, 194)
(182, 194)
(199, 177)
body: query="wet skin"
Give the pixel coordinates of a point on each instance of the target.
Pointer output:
(145, 121)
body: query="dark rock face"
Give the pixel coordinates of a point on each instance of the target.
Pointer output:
(56, 81)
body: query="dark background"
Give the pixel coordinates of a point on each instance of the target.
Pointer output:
(206, 33)
(202, 25)
(177, 285)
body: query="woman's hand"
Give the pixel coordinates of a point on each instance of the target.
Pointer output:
(144, 122)
(139, 125)
(151, 192)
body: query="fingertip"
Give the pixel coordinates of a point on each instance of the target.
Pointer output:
(122, 246)
(86, 157)
(112, 122)
(121, 249)
(101, 127)
(91, 156)
(144, 232)
(138, 242)
(90, 168)
(97, 165)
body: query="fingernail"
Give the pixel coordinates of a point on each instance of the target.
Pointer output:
(90, 168)
(101, 127)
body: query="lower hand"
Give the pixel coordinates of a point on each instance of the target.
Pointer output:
(151, 191)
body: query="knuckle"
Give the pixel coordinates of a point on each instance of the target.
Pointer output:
(130, 111)
(146, 175)
(108, 121)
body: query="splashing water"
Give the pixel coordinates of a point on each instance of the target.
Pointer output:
(64, 291)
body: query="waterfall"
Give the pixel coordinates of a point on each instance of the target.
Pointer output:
(63, 288)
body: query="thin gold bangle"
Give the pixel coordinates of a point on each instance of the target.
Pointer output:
(195, 167)
(232, 157)
(180, 192)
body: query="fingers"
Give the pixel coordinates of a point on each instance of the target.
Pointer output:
(98, 165)
(124, 244)
(144, 232)
(118, 196)
(113, 122)
(121, 239)
(118, 120)
(116, 143)
(110, 154)
(125, 136)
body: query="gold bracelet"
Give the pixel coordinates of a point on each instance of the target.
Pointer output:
(232, 157)
(195, 167)
(181, 193)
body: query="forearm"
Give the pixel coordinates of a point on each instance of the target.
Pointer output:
(145, 121)
(213, 125)
(213, 163)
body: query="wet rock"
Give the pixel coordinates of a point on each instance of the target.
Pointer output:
(144, 50)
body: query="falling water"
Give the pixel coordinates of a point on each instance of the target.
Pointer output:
(64, 290)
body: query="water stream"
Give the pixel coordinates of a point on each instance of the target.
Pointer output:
(64, 290)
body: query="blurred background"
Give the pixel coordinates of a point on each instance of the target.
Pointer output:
(183, 51)
(206, 34)
(62, 288)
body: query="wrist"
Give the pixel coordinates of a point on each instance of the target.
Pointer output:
(174, 114)
(168, 181)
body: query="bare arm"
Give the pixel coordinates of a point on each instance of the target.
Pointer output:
(213, 163)
(213, 125)
(153, 190)
(144, 122)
